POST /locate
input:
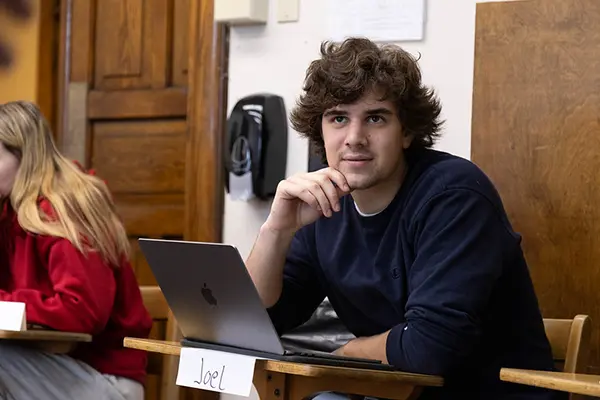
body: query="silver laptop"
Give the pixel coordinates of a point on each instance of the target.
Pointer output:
(216, 305)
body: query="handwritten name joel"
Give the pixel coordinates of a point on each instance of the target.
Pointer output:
(210, 378)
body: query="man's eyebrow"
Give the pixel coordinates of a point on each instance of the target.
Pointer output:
(334, 112)
(381, 110)
(372, 111)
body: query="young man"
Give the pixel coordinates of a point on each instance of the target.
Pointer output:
(412, 246)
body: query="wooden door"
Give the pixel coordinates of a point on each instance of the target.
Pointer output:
(536, 132)
(143, 99)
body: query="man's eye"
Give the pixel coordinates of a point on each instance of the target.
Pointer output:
(375, 119)
(339, 119)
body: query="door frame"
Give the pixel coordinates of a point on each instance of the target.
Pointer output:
(208, 66)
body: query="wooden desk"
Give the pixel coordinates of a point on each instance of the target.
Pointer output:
(290, 381)
(563, 381)
(47, 340)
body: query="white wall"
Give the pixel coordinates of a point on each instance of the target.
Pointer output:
(274, 58)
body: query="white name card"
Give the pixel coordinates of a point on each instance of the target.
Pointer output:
(216, 371)
(12, 316)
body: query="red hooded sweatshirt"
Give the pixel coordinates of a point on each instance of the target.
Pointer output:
(66, 290)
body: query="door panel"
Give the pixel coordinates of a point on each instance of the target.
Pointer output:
(152, 215)
(132, 44)
(140, 157)
(122, 104)
(536, 133)
(179, 61)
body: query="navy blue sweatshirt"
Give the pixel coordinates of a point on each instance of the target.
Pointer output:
(441, 267)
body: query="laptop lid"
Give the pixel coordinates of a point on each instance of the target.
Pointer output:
(211, 294)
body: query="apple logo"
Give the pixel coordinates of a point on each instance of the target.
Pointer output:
(208, 296)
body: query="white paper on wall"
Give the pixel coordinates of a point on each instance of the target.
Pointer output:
(378, 20)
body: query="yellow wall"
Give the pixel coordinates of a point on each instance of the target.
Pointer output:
(20, 82)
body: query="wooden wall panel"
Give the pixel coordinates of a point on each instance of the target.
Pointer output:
(536, 133)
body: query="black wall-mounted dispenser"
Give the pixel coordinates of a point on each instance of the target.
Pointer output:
(256, 147)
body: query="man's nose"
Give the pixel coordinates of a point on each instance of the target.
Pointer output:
(356, 134)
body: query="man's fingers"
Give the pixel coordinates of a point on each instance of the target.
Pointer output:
(324, 202)
(340, 184)
(312, 186)
(330, 190)
(294, 190)
(326, 186)
(338, 178)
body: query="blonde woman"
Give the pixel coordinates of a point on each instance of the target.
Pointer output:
(64, 253)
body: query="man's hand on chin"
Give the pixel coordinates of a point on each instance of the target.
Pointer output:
(370, 347)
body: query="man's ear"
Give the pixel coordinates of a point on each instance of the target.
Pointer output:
(407, 140)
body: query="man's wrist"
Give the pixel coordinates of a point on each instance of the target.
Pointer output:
(371, 347)
(268, 229)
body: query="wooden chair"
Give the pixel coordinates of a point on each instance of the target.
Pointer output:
(161, 369)
(570, 342)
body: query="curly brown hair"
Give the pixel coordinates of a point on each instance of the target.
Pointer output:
(348, 70)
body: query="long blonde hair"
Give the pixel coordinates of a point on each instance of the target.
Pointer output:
(84, 212)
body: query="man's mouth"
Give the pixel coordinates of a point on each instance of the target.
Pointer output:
(357, 159)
